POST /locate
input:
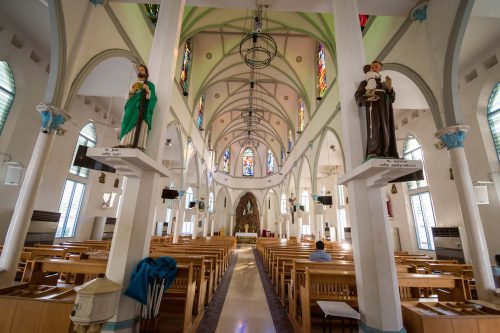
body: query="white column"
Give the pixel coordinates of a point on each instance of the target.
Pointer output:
(299, 227)
(196, 217)
(317, 223)
(179, 217)
(212, 226)
(287, 227)
(376, 280)
(454, 138)
(231, 224)
(162, 69)
(261, 225)
(132, 236)
(280, 228)
(206, 218)
(25, 204)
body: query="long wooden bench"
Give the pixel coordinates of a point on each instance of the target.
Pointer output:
(182, 291)
(198, 263)
(47, 271)
(321, 284)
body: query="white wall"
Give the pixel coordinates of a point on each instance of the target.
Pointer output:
(20, 133)
(23, 123)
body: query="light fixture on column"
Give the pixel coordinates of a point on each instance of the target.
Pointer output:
(258, 48)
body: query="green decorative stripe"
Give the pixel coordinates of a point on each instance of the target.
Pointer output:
(120, 325)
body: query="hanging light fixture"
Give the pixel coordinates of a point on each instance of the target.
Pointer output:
(258, 48)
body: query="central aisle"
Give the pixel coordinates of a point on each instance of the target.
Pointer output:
(245, 308)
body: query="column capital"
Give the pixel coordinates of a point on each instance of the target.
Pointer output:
(453, 136)
(52, 118)
(419, 13)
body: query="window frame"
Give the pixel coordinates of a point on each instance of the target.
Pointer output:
(9, 75)
(66, 216)
(420, 188)
(491, 113)
(77, 170)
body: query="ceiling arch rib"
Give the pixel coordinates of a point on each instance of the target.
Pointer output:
(240, 126)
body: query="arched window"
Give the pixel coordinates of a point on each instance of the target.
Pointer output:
(87, 137)
(494, 117)
(201, 110)
(226, 160)
(283, 203)
(420, 199)
(321, 71)
(282, 156)
(301, 115)
(7, 92)
(186, 66)
(270, 162)
(304, 200)
(189, 196)
(248, 162)
(211, 202)
(73, 192)
(152, 12)
(289, 141)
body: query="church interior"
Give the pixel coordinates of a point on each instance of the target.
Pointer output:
(172, 166)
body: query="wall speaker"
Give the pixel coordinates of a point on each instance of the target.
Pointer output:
(13, 175)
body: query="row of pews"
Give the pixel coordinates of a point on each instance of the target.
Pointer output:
(48, 274)
(300, 283)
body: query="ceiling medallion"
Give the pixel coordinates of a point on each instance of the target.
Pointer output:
(217, 95)
(298, 59)
(208, 55)
(278, 123)
(285, 98)
(257, 48)
(222, 121)
(225, 138)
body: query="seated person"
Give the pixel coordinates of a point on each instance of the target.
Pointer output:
(319, 254)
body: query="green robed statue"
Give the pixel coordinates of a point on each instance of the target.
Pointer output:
(138, 113)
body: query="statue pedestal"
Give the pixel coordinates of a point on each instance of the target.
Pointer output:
(135, 219)
(129, 162)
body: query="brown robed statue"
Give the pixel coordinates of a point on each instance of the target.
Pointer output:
(381, 134)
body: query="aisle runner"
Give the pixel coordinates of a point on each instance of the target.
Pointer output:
(278, 313)
(210, 319)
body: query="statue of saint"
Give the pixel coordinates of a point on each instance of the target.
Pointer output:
(138, 113)
(378, 99)
(291, 200)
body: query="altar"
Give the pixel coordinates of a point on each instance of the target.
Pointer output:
(246, 237)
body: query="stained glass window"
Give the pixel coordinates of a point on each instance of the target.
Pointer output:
(248, 162)
(226, 160)
(152, 12)
(301, 115)
(282, 155)
(7, 92)
(290, 144)
(363, 19)
(201, 110)
(494, 117)
(321, 71)
(270, 162)
(186, 66)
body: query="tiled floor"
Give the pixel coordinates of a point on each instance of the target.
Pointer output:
(245, 309)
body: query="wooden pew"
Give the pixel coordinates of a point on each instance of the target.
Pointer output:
(47, 271)
(198, 263)
(182, 291)
(328, 285)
